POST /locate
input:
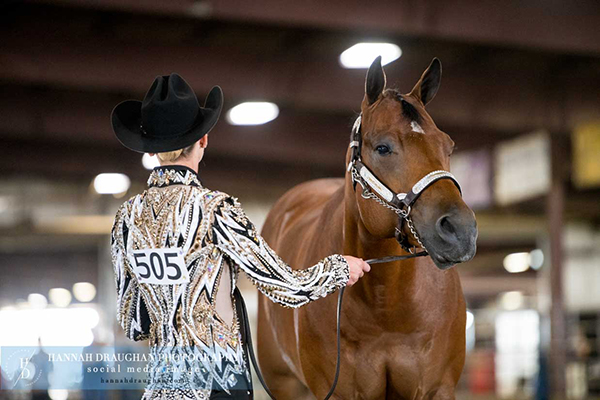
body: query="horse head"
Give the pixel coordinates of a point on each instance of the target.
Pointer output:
(400, 143)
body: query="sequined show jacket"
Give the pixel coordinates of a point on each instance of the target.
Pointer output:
(212, 232)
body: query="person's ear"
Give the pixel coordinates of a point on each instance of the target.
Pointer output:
(204, 141)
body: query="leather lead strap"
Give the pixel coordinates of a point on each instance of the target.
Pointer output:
(247, 338)
(247, 335)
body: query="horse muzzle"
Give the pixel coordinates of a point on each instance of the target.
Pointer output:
(452, 239)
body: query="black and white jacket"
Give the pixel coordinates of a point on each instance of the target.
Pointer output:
(170, 246)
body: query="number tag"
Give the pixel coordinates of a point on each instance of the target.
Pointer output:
(159, 266)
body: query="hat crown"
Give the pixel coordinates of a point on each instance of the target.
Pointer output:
(170, 107)
(168, 118)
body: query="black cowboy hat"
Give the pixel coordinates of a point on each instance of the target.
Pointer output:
(169, 117)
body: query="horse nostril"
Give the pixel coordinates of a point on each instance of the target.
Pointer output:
(445, 228)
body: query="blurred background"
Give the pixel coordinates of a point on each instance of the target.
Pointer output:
(519, 96)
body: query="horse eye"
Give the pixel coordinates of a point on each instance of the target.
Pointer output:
(382, 149)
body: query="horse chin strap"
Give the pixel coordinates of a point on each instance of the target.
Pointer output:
(374, 188)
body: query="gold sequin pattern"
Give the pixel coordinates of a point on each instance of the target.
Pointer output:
(214, 233)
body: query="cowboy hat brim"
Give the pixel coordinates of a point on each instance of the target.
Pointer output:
(126, 121)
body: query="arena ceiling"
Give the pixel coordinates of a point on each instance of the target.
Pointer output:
(508, 68)
(65, 64)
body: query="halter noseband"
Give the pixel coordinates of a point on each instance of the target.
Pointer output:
(400, 203)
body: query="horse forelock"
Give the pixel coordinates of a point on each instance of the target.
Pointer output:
(408, 110)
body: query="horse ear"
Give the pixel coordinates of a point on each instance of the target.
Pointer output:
(375, 82)
(427, 87)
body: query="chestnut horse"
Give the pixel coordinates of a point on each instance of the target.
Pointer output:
(403, 323)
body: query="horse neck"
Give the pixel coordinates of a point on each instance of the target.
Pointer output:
(385, 284)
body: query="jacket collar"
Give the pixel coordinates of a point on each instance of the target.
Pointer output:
(166, 175)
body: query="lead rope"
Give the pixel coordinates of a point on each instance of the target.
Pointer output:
(248, 335)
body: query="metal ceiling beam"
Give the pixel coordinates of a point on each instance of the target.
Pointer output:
(36, 120)
(560, 26)
(294, 138)
(80, 162)
(489, 97)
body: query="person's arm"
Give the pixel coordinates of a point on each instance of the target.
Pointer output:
(235, 235)
(132, 313)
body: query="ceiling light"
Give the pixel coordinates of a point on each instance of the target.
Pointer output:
(512, 300)
(84, 291)
(60, 297)
(109, 183)
(37, 300)
(470, 319)
(58, 394)
(361, 55)
(517, 262)
(252, 113)
(149, 162)
(536, 259)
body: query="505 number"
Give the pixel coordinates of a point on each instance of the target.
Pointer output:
(159, 266)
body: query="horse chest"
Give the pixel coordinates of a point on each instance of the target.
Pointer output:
(396, 366)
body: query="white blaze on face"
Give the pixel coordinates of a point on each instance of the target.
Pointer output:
(416, 127)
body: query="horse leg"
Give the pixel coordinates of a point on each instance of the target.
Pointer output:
(280, 379)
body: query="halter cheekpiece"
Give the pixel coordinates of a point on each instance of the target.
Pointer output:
(374, 188)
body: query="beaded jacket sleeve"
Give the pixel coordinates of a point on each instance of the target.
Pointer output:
(132, 313)
(236, 236)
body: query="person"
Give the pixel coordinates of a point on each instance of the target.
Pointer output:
(177, 249)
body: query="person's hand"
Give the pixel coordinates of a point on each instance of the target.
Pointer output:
(358, 267)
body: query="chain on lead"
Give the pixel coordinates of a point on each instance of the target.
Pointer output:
(414, 231)
(368, 194)
(404, 214)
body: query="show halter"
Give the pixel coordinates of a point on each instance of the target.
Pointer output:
(374, 188)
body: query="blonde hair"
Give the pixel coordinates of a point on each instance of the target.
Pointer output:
(175, 154)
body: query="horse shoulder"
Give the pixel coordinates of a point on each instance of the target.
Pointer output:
(297, 211)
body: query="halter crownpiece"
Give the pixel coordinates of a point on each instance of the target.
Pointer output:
(400, 203)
